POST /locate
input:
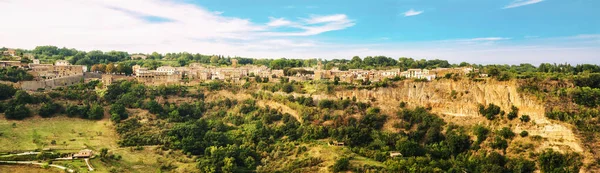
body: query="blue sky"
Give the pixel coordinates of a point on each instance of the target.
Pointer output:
(438, 20)
(480, 31)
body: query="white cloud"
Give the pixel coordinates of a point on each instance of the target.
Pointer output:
(412, 12)
(127, 25)
(519, 3)
(317, 25)
(276, 22)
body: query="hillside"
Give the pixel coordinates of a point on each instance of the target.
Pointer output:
(224, 127)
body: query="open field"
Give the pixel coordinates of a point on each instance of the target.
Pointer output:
(68, 134)
(27, 169)
(72, 135)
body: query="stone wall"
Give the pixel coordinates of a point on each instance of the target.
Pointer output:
(51, 83)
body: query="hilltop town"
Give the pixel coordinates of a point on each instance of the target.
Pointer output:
(62, 73)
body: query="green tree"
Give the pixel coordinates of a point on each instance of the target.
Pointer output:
(506, 133)
(17, 112)
(154, 107)
(96, 112)
(6, 91)
(118, 112)
(341, 164)
(228, 165)
(49, 109)
(513, 113)
(524, 133)
(551, 161)
(525, 118)
(22, 97)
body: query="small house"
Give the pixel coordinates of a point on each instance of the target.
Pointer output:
(86, 153)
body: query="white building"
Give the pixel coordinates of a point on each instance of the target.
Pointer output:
(166, 69)
(62, 63)
(390, 73)
(418, 74)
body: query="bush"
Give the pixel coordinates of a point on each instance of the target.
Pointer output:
(499, 143)
(325, 103)
(506, 133)
(524, 134)
(587, 96)
(118, 112)
(481, 132)
(552, 161)
(49, 109)
(513, 113)
(22, 97)
(525, 118)
(490, 112)
(18, 112)
(342, 164)
(96, 112)
(6, 91)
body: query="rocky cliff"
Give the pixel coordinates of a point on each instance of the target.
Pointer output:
(458, 102)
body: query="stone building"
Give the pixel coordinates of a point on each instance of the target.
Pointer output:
(49, 71)
(4, 64)
(62, 63)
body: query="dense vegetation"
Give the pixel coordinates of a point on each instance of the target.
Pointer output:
(14, 74)
(228, 135)
(245, 135)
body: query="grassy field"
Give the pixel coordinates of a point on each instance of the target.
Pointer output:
(330, 154)
(27, 169)
(73, 134)
(68, 134)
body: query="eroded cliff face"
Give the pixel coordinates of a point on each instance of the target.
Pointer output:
(461, 99)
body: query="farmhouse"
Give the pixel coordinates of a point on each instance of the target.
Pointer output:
(87, 153)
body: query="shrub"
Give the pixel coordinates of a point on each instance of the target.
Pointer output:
(552, 161)
(96, 112)
(49, 109)
(342, 164)
(524, 134)
(6, 91)
(499, 143)
(18, 112)
(490, 112)
(525, 118)
(506, 133)
(481, 132)
(513, 113)
(118, 112)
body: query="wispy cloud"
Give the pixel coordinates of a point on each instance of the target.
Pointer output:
(412, 12)
(587, 36)
(316, 24)
(276, 22)
(154, 25)
(519, 3)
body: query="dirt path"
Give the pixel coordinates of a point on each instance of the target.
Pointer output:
(87, 162)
